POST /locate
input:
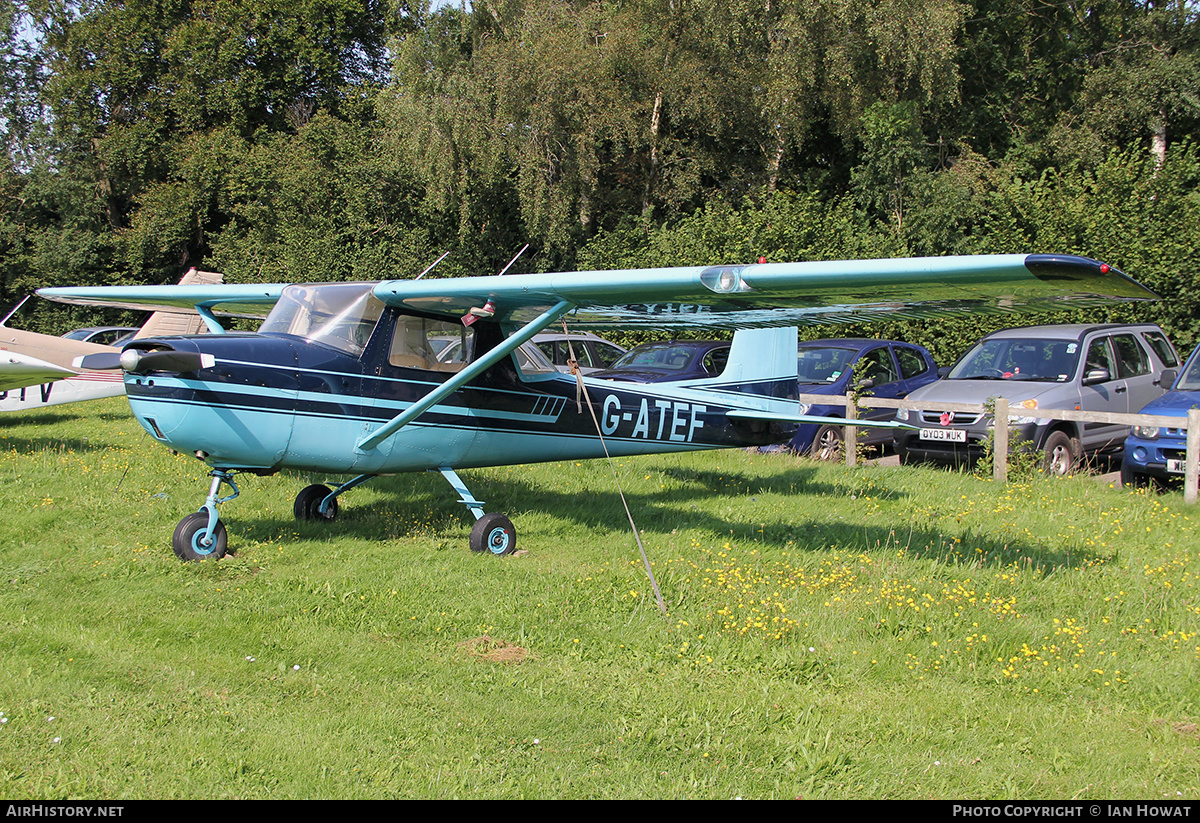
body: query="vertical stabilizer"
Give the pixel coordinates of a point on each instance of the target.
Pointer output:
(761, 361)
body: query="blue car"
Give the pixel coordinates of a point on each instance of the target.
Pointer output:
(881, 368)
(1157, 452)
(671, 360)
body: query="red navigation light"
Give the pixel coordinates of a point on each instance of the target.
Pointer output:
(1104, 268)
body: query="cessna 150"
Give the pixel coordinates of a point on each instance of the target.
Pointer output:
(342, 378)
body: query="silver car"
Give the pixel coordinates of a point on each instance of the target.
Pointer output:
(1101, 368)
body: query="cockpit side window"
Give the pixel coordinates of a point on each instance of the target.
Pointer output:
(433, 345)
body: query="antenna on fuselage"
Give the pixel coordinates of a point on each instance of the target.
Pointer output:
(431, 265)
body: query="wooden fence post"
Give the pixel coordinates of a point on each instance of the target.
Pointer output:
(850, 444)
(1191, 465)
(1000, 441)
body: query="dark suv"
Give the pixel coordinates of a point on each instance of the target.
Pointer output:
(1101, 368)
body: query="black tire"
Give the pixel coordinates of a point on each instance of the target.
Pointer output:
(186, 540)
(308, 502)
(1061, 454)
(828, 444)
(1131, 479)
(494, 533)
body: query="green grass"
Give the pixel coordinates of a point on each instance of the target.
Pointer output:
(880, 632)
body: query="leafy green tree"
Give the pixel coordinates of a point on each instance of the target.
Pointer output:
(152, 101)
(1145, 86)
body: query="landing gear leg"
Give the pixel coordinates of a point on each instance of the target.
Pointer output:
(202, 535)
(492, 533)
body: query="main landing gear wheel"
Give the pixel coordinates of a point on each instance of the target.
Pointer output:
(308, 503)
(494, 533)
(188, 538)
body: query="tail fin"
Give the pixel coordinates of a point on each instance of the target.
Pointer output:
(174, 324)
(761, 362)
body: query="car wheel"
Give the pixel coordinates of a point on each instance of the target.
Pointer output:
(828, 443)
(1061, 454)
(1131, 479)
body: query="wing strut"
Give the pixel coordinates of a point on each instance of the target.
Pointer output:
(459, 380)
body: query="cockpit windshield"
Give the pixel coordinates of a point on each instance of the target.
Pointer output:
(341, 315)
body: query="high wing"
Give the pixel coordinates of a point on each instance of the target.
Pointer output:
(236, 300)
(782, 294)
(735, 296)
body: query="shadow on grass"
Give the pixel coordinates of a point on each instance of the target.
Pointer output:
(723, 504)
(39, 445)
(39, 418)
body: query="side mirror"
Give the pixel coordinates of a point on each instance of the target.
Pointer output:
(1167, 378)
(865, 383)
(1094, 376)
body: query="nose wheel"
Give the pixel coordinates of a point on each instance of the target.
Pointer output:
(193, 541)
(202, 535)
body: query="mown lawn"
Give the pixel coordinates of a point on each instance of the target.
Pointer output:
(879, 632)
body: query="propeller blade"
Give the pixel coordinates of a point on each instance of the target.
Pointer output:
(136, 361)
(100, 361)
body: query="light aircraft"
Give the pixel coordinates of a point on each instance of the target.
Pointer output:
(341, 379)
(37, 370)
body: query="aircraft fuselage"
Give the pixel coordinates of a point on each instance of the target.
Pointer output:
(281, 402)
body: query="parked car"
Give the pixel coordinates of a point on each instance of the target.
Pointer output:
(1158, 452)
(879, 368)
(1101, 368)
(591, 351)
(672, 360)
(103, 335)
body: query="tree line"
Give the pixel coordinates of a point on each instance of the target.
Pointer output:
(314, 140)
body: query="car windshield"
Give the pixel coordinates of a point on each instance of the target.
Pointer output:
(822, 364)
(662, 356)
(341, 315)
(1007, 358)
(1190, 381)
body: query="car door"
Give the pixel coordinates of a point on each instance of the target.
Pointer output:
(1110, 395)
(879, 366)
(1137, 370)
